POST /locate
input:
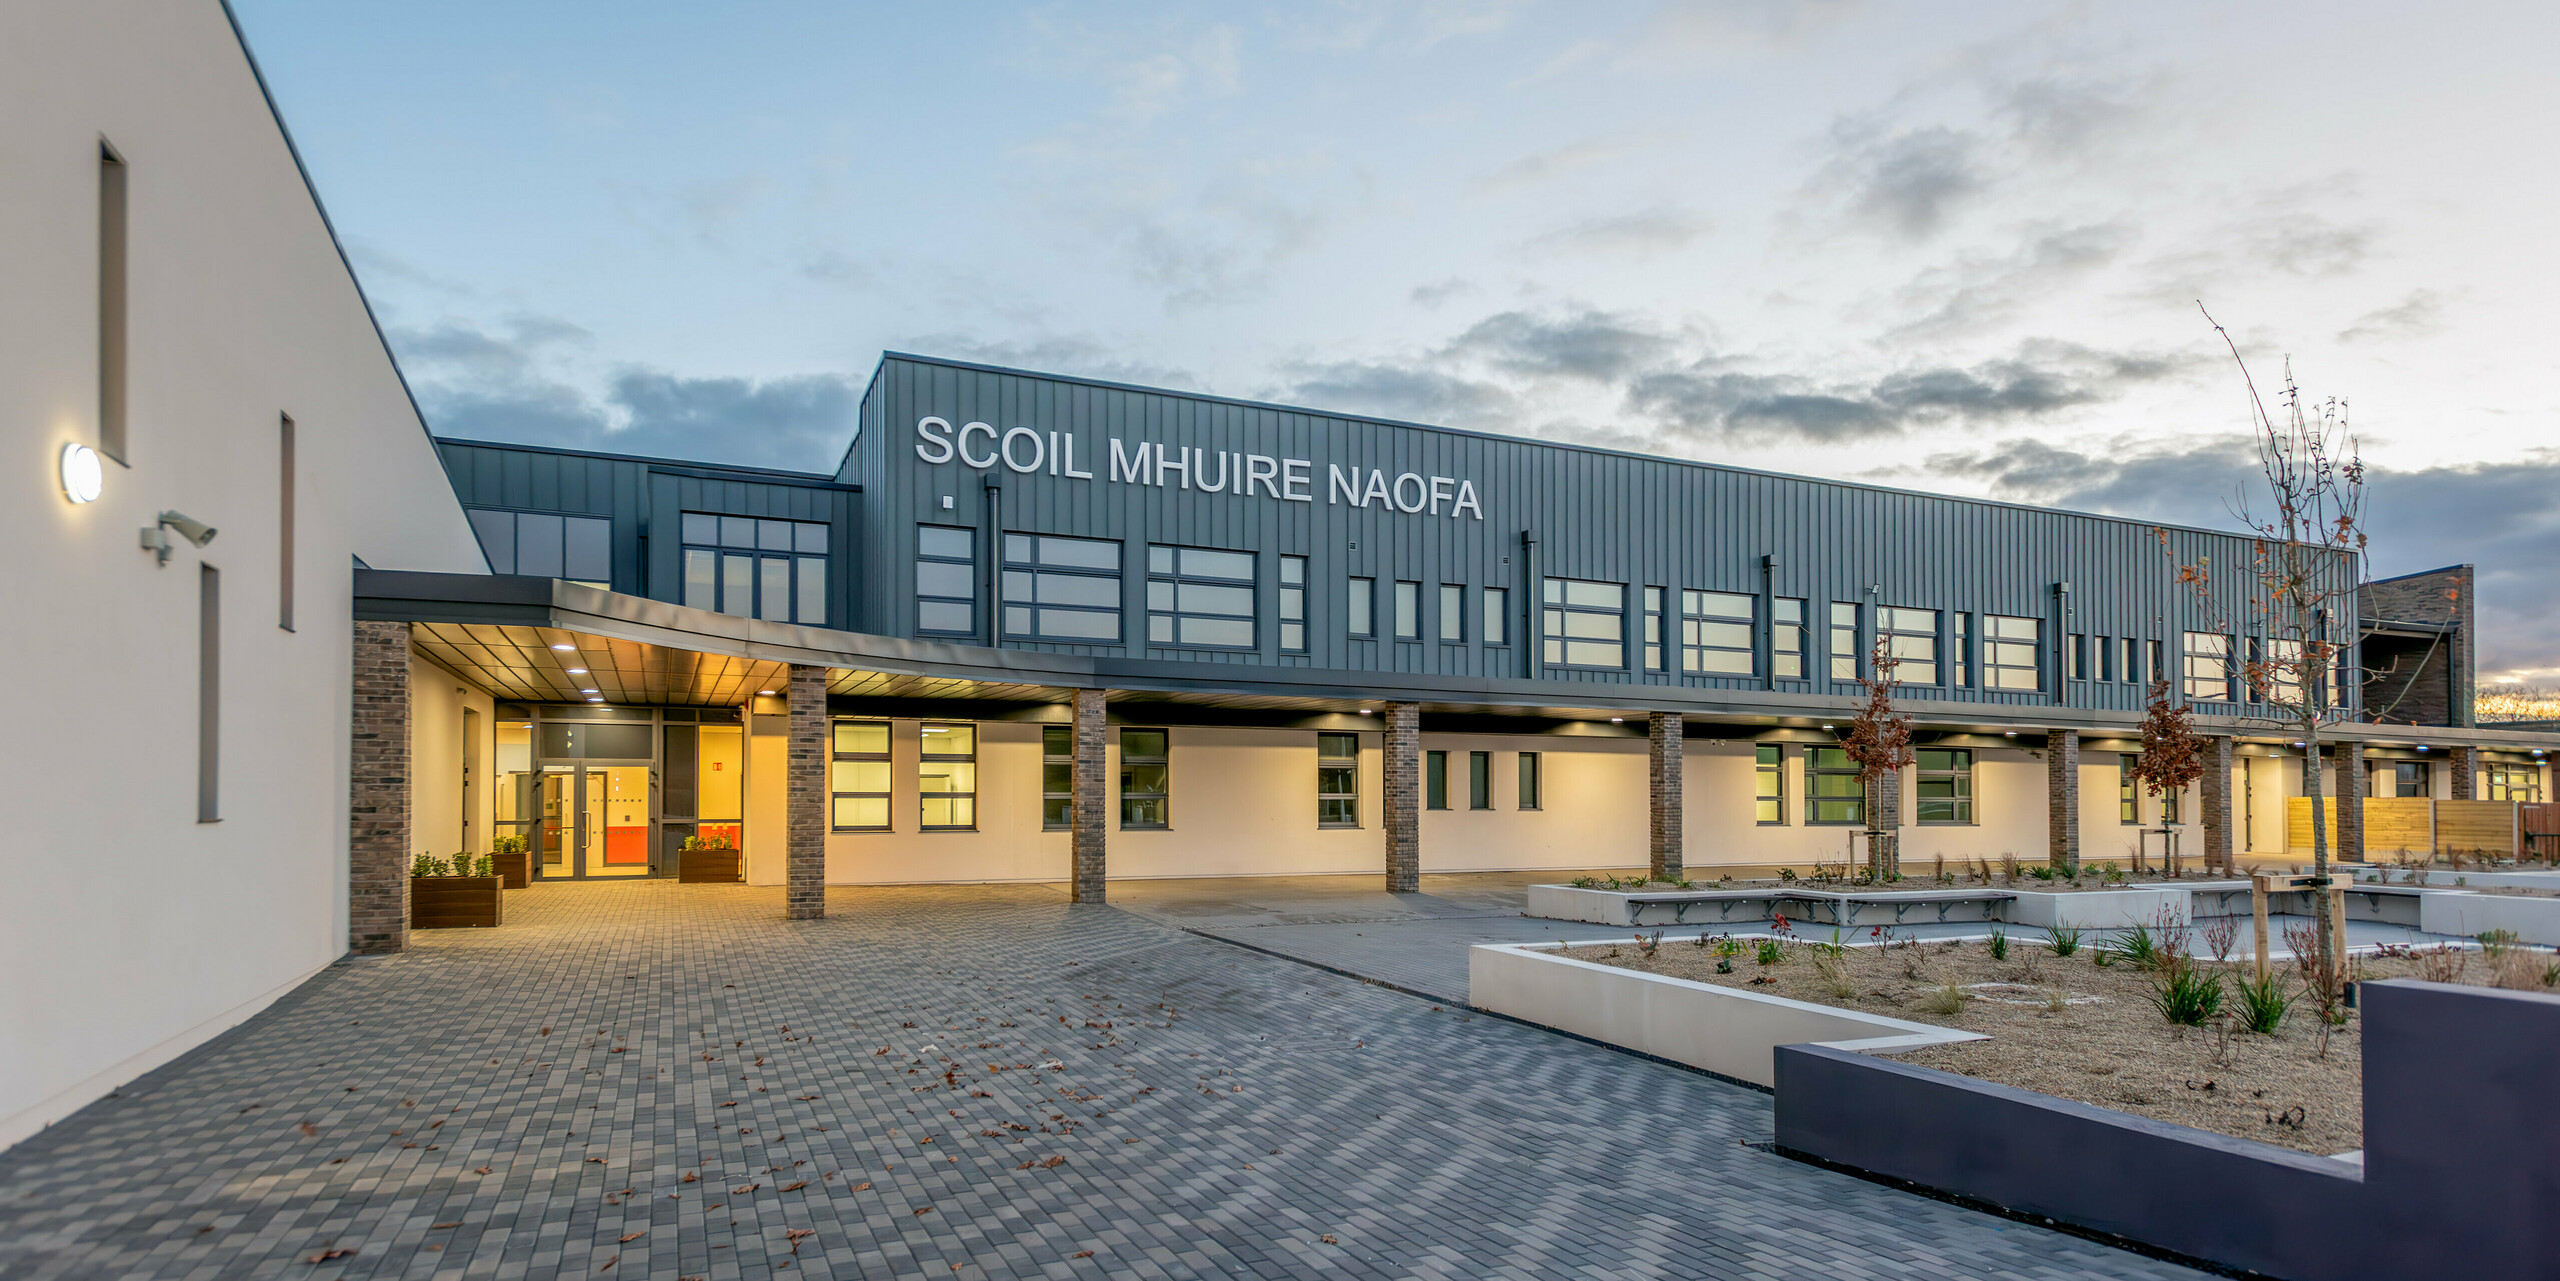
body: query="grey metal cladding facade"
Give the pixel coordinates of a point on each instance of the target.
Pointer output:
(1597, 515)
(646, 499)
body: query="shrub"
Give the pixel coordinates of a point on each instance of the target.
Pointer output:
(1648, 945)
(2263, 1003)
(2066, 939)
(1999, 944)
(1769, 952)
(2187, 995)
(1945, 999)
(426, 864)
(2137, 948)
(1832, 969)
(1728, 946)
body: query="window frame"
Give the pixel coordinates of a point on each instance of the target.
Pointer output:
(1293, 604)
(757, 556)
(1958, 803)
(1959, 649)
(1695, 622)
(1494, 617)
(1769, 784)
(1033, 570)
(2193, 659)
(1435, 779)
(1051, 759)
(923, 558)
(2128, 791)
(1531, 783)
(1451, 625)
(1360, 602)
(1556, 610)
(1816, 800)
(1652, 639)
(1479, 780)
(924, 735)
(835, 753)
(2001, 649)
(1889, 629)
(1162, 796)
(1790, 638)
(1407, 607)
(1349, 764)
(1835, 650)
(515, 537)
(1168, 568)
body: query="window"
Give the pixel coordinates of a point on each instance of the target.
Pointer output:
(2409, 778)
(1145, 778)
(2128, 790)
(1435, 780)
(2132, 664)
(1946, 784)
(208, 694)
(284, 522)
(1337, 780)
(2513, 782)
(1479, 780)
(1199, 598)
(1654, 600)
(1844, 641)
(111, 305)
(860, 777)
(1453, 614)
(1408, 611)
(1769, 776)
(1293, 604)
(1065, 589)
(2104, 650)
(547, 545)
(2011, 653)
(2207, 667)
(1362, 602)
(1833, 792)
(2282, 666)
(1960, 661)
(947, 777)
(946, 580)
(1786, 639)
(1057, 777)
(2078, 650)
(1497, 616)
(1715, 633)
(2152, 669)
(1912, 636)
(1529, 780)
(1586, 624)
(770, 569)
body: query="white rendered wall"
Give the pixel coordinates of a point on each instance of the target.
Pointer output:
(437, 699)
(137, 931)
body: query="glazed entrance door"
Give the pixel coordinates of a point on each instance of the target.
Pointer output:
(615, 814)
(555, 840)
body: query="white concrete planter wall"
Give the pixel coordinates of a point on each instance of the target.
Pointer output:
(2101, 909)
(1726, 1031)
(2534, 920)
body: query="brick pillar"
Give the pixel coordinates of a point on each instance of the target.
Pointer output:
(805, 796)
(1884, 819)
(378, 792)
(1665, 762)
(1404, 798)
(2213, 796)
(2062, 797)
(2466, 774)
(2351, 789)
(1090, 810)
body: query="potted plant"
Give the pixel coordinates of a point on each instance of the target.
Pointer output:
(462, 894)
(514, 860)
(709, 860)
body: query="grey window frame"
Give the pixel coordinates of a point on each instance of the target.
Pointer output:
(1958, 807)
(1293, 604)
(803, 544)
(1034, 568)
(1408, 609)
(113, 237)
(1360, 601)
(968, 603)
(1052, 759)
(1452, 622)
(515, 522)
(208, 694)
(2002, 652)
(1959, 649)
(2102, 656)
(1816, 799)
(925, 735)
(1349, 765)
(2424, 772)
(2128, 790)
(1893, 626)
(1769, 784)
(1842, 659)
(1162, 796)
(835, 753)
(1696, 621)
(1557, 609)
(1494, 617)
(1531, 783)
(1656, 651)
(1479, 780)
(284, 523)
(1790, 638)
(2077, 653)
(2131, 671)
(1170, 573)
(2193, 659)
(1435, 780)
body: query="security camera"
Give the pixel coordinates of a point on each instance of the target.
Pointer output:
(188, 527)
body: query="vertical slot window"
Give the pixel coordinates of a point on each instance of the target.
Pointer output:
(1843, 645)
(1946, 785)
(1479, 780)
(1530, 778)
(2102, 650)
(1786, 639)
(1066, 589)
(1337, 780)
(1435, 780)
(1960, 657)
(2128, 790)
(1200, 599)
(284, 521)
(208, 694)
(1497, 616)
(111, 304)
(1146, 779)
(1293, 604)
(2011, 653)
(1912, 636)
(1408, 611)
(947, 778)
(1654, 656)
(1057, 777)
(1769, 784)
(2132, 668)
(1360, 603)
(858, 780)
(1453, 614)
(946, 581)
(2079, 653)
(1586, 624)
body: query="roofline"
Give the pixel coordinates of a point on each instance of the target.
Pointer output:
(886, 356)
(2423, 573)
(311, 189)
(688, 464)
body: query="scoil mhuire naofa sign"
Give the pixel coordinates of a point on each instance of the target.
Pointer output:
(1026, 450)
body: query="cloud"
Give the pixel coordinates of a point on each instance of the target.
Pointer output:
(1975, 293)
(1907, 183)
(1388, 390)
(2416, 316)
(1643, 234)
(2043, 379)
(1590, 345)
(1076, 357)
(1440, 291)
(1540, 167)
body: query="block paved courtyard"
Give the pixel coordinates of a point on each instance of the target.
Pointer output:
(658, 1080)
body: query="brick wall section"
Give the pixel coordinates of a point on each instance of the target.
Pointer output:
(1089, 812)
(805, 796)
(2351, 791)
(1404, 798)
(1665, 763)
(378, 792)
(2062, 797)
(1884, 817)
(2466, 774)
(2213, 797)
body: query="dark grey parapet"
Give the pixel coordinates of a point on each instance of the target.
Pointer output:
(2459, 1178)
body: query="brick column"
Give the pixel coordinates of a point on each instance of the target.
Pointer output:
(2466, 774)
(2062, 797)
(2351, 790)
(1090, 810)
(1404, 798)
(2213, 797)
(1884, 818)
(1665, 761)
(805, 796)
(378, 792)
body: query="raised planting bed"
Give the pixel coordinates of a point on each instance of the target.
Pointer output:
(456, 902)
(710, 866)
(2093, 905)
(515, 869)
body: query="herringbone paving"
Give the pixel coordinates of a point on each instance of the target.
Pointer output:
(654, 1080)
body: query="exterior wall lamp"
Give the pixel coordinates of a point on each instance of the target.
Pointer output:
(83, 476)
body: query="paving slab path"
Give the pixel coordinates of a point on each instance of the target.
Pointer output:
(666, 1081)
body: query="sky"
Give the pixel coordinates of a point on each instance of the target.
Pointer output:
(1961, 248)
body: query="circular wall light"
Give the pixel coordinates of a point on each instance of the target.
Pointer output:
(83, 476)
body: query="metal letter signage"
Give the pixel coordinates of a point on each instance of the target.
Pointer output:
(1026, 450)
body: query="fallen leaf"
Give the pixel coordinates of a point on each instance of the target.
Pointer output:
(793, 1187)
(745, 1190)
(325, 1255)
(309, 1130)
(923, 1212)
(1327, 1238)
(859, 1187)
(595, 1160)
(608, 1264)
(481, 1170)
(432, 1227)
(631, 1236)
(689, 1177)
(1053, 1163)
(1081, 1254)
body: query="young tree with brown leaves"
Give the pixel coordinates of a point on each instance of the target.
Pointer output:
(1879, 743)
(2172, 758)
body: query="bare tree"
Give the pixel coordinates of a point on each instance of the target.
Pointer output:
(1879, 743)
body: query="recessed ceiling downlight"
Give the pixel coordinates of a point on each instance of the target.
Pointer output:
(83, 476)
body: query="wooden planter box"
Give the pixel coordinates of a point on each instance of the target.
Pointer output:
(455, 902)
(710, 867)
(515, 870)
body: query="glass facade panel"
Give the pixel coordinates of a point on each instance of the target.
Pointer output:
(1912, 636)
(1435, 780)
(1453, 613)
(1479, 780)
(1946, 785)
(1787, 639)
(1586, 624)
(1497, 616)
(1057, 777)
(1530, 780)
(758, 573)
(1842, 647)
(1716, 633)
(1145, 778)
(2012, 653)
(1408, 611)
(859, 777)
(546, 544)
(1200, 598)
(2206, 666)
(1833, 794)
(947, 777)
(1655, 655)
(1061, 589)
(1360, 602)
